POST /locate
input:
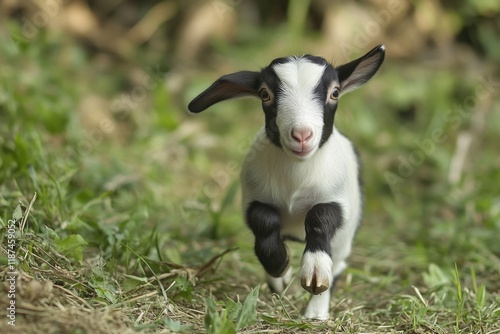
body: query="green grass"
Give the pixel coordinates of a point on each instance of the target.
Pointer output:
(136, 225)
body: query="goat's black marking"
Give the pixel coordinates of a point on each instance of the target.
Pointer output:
(271, 79)
(346, 70)
(264, 221)
(315, 59)
(329, 76)
(321, 223)
(229, 86)
(282, 60)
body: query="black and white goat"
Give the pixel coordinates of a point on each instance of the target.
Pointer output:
(301, 178)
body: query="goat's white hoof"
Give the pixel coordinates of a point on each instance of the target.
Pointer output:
(278, 284)
(316, 272)
(317, 316)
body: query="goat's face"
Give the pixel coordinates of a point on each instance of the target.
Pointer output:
(299, 98)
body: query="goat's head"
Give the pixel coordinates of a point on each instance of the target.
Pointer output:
(299, 96)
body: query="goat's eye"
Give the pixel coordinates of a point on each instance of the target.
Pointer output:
(335, 94)
(264, 95)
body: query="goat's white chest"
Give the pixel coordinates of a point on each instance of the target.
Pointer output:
(291, 186)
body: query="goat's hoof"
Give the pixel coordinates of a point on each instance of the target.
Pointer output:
(315, 286)
(320, 317)
(316, 272)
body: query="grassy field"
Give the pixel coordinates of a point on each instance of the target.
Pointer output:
(125, 211)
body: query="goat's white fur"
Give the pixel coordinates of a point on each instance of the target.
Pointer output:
(293, 186)
(298, 106)
(270, 175)
(303, 167)
(279, 284)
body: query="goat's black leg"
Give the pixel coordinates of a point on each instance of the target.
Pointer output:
(321, 222)
(264, 221)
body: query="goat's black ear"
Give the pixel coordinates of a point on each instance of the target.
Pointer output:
(357, 72)
(237, 84)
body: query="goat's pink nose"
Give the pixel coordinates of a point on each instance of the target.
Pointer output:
(301, 135)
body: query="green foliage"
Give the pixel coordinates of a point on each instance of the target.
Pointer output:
(233, 316)
(72, 247)
(185, 288)
(103, 285)
(297, 16)
(217, 214)
(18, 213)
(176, 326)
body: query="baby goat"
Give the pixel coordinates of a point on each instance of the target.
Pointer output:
(301, 178)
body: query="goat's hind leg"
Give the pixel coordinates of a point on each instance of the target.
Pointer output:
(319, 305)
(279, 284)
(264, 221)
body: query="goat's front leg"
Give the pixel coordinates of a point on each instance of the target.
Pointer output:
(264, 221)
(316, 273)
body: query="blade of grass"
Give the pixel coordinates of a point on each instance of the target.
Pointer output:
(26, 214)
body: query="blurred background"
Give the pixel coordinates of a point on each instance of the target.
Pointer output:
(93, 117)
